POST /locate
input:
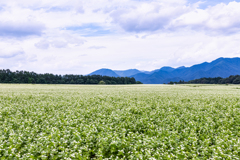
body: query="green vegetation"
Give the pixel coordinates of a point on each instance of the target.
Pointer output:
(7, 76)
(216, 80)
(138, 82)
(101, 82)
(119, 122)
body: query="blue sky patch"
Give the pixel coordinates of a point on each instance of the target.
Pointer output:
(211, 2)
(89, 30)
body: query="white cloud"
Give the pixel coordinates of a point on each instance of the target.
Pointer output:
(222, 18)
(20, 29)
(60, 40)
(9, 50)
(148, 16)
(69, 36)
(43, 44)
(96, 47)
(59, 44)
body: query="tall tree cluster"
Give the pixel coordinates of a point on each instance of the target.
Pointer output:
(7, 76)
(217, 80)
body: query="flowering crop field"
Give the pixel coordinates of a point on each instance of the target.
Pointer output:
(119, 122)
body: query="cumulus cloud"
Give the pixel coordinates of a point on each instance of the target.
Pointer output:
(10, 51)
(21, 29)
(96, 47)
(147, 17)
(59, 44)
(73, 39)
(60, 41)
(222, 18)
(80, 9)
(149, 33)
(43, 44)
(169, 17)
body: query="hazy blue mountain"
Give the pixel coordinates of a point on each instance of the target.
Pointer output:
(181, 67)
(150, 72)
(157, 77)
(167, 69)
(127, 73)
(221, 67)
(105, 72)
(140, 76)
(147, 72)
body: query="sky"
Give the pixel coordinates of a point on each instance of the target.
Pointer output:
(81, 36)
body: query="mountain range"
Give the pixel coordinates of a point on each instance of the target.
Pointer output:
(221, 67)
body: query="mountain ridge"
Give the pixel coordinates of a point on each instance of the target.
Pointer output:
(221, 67)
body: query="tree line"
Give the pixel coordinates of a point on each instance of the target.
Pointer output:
(7, 76)
(217, 80)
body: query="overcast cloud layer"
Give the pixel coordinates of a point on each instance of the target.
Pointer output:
(78, 36)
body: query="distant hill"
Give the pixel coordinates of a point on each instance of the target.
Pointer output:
(167, 69)
(221, 67)
(105, 72)
(127, 73)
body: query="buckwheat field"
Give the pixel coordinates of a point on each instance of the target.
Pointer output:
(119, 122)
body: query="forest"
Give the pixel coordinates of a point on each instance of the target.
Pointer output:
(217, 80)
(7, 76)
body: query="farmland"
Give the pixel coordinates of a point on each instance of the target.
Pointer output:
(119, 122)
